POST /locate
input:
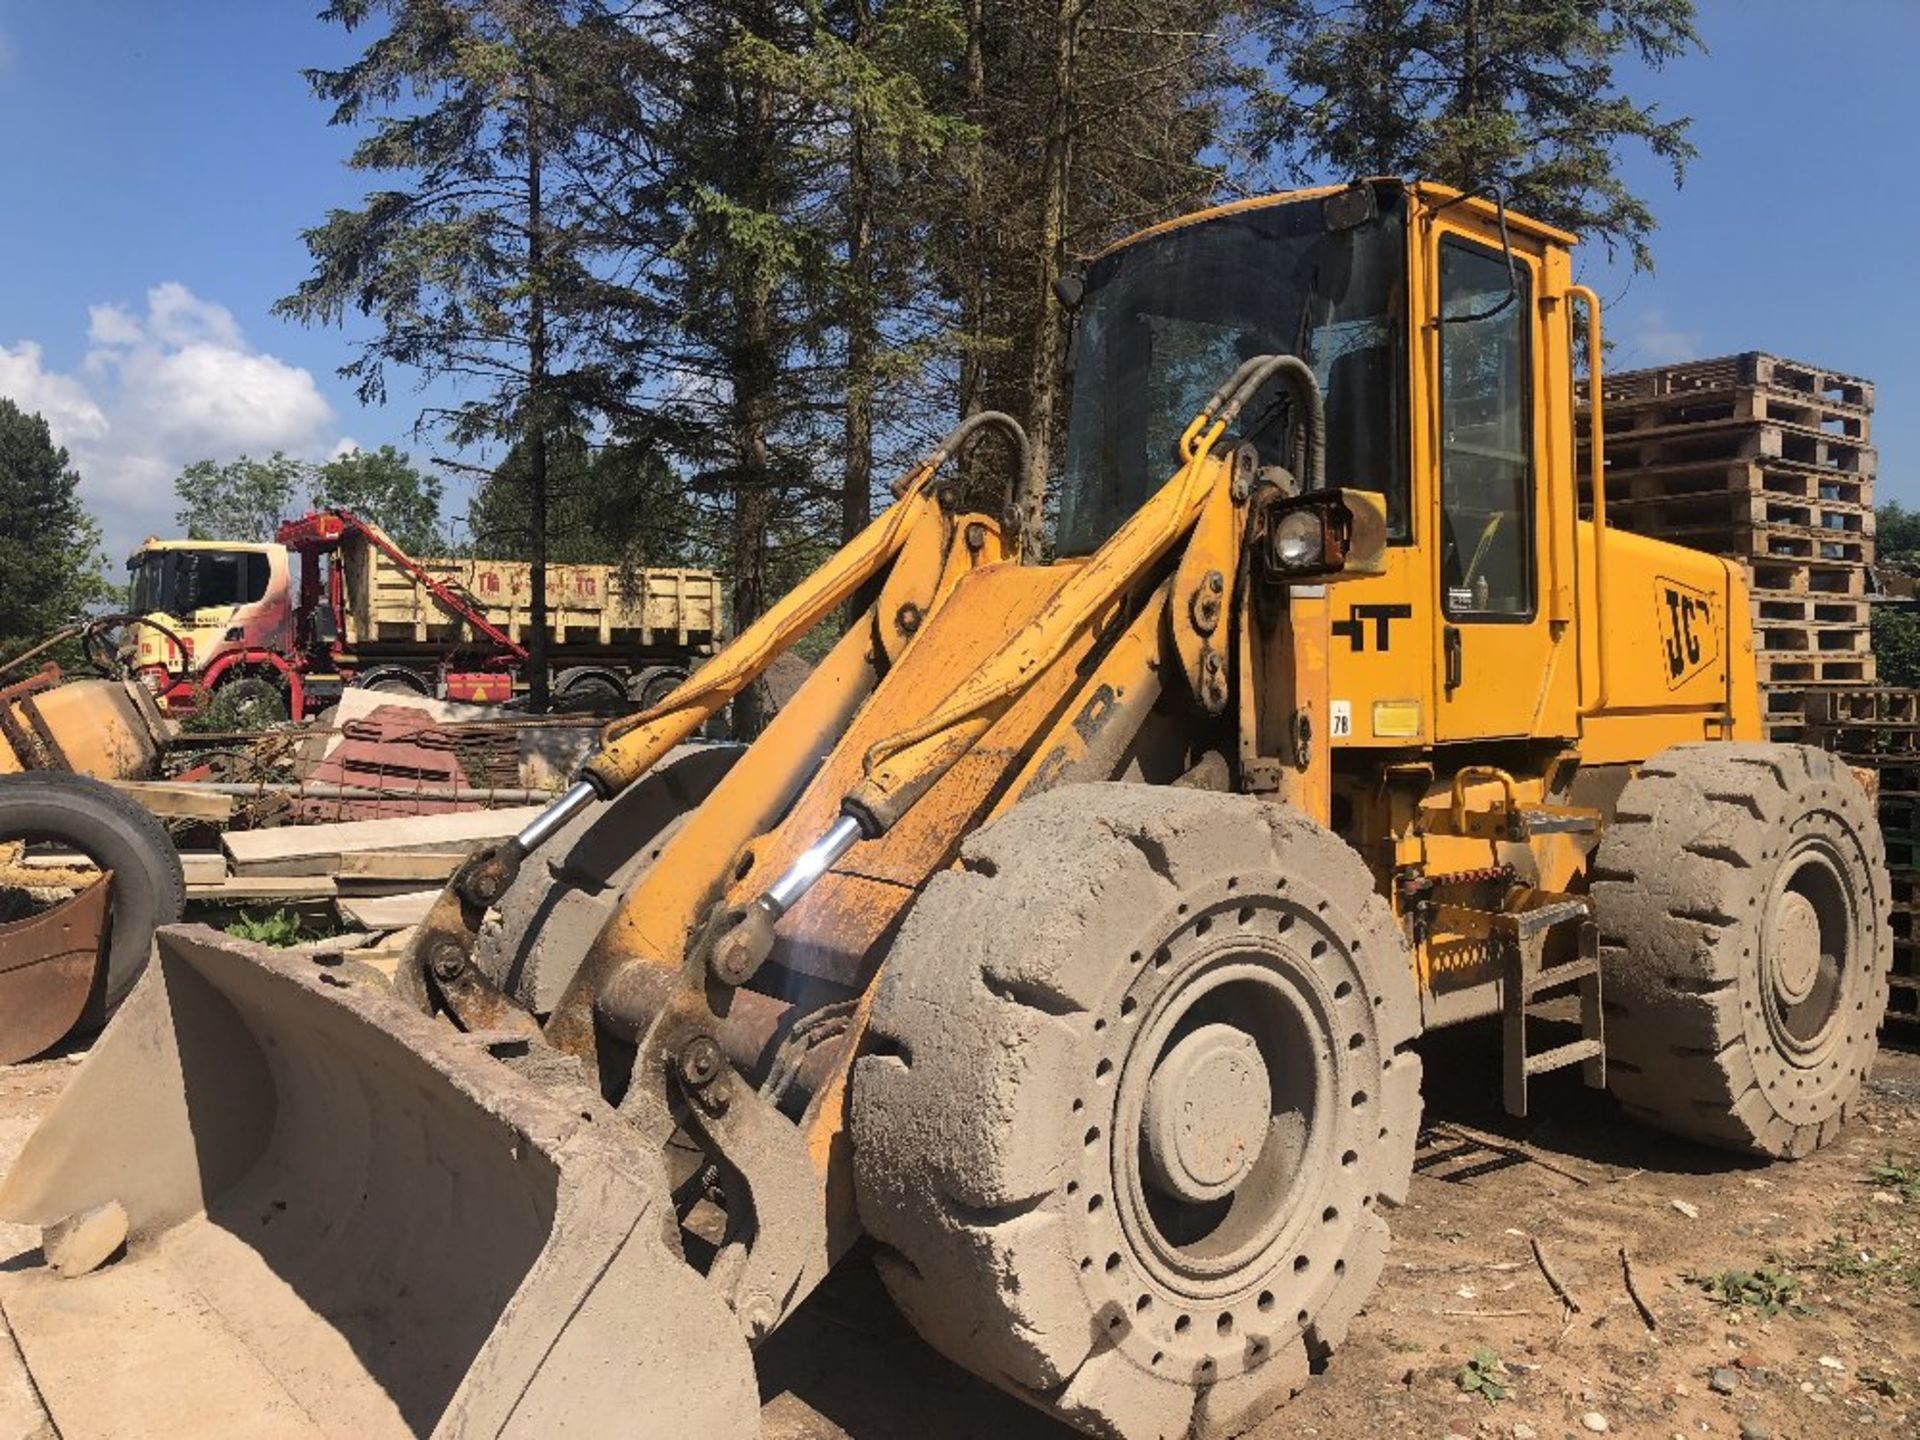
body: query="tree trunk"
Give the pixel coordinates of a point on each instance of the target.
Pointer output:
(856, 496)
(754, 368)
(1049, 329)
(973, 304)
(538, 423)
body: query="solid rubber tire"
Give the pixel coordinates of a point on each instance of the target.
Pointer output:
(975, 1112)
(1680, 882)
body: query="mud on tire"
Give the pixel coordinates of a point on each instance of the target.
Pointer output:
(1745, 926)
(1137, 1092)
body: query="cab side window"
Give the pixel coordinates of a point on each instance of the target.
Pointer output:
(1486, 442)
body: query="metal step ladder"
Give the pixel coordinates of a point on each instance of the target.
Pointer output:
(1529, 978)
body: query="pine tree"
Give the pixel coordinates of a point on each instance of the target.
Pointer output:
(50, 557)
(1093, 121)
(1518, 95)
(486, 263)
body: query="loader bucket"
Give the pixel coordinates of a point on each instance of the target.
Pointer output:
(48, 964)
(346, 1218)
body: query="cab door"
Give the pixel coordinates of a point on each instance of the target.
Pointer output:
(1495, 650)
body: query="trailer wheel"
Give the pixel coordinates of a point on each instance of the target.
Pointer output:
(588, 688)
(393, 680)
(1746, 939)
(649, 686)
(149, 889)
(1135, 1095)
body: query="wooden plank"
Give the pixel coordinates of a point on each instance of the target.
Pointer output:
(319, 849)
(176, 802)
(237, 888)
(401, 864)
(203, 867)
(388, 912)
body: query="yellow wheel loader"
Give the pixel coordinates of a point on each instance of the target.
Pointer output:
(1067, 933)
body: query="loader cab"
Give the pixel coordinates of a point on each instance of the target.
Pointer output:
(1438, 328)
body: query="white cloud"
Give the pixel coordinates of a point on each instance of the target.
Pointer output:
(69, 410)
(158, 390)
(112, 325)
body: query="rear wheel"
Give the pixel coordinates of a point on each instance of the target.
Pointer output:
(1745, 925)
(393, 680)
(1135, 1095)
(649, 686)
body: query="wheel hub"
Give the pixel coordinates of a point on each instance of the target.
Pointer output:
(1795, 946)
(1207, 1109)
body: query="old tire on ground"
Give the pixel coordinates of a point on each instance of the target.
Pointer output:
(1744, 913)
(149, 889)
(1135, 1093)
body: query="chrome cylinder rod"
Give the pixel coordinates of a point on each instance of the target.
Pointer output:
(811, 864)
(541, 828)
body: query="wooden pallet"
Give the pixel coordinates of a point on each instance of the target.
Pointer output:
(1727, 372)
(1760, 544)
(1786, 575)
(1880, 705)
(1674, 445)
(1740, 404)
(1773, 606)
(1732, 508)
(1801, 639)
(1779, 477)
(1814, 667)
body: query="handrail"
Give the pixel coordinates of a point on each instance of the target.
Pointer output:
(1597, 451)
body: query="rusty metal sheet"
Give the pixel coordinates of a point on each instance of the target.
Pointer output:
(47, 967)
(394, 749)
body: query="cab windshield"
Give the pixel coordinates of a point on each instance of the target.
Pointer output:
(178, 582)
(1168, 319)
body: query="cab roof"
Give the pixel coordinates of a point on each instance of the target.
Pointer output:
(1428, 193)
(153, 544)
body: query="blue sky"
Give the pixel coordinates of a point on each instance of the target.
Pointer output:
(162, 156)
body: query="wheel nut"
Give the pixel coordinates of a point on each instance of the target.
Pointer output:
(701, 1061)
(448, 959)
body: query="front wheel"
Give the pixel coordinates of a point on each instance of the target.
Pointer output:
(1136, 1092)
(1745, 922)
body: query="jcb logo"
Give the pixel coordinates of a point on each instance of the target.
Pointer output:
(1689, 637)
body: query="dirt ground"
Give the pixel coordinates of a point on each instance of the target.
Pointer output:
(1841, 1358)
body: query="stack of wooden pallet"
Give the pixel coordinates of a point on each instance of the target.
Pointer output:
(1880, 729)
(1770, 462)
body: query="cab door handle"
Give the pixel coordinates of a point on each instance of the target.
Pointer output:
(1450, 645)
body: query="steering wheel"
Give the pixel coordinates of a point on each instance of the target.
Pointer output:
(105, 659)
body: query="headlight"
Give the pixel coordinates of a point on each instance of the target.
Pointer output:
(1299, 540)
(154, 680)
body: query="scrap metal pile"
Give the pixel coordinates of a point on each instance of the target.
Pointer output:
(336, 834)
